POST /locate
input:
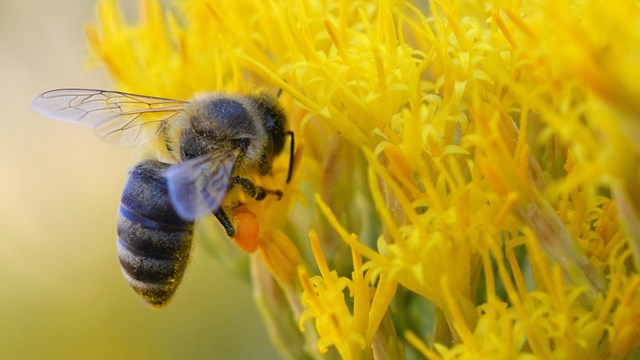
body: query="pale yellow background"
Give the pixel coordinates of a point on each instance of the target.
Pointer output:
(61, 292)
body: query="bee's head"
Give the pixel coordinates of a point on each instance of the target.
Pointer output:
(273, 121)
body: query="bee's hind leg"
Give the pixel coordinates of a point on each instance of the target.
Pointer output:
(256, 192)
(225, 222)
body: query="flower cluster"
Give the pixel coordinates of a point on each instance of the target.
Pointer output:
(466, 175)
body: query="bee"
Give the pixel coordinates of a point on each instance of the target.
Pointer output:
(215, 141)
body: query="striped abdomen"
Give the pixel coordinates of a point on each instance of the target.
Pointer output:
(153, 241)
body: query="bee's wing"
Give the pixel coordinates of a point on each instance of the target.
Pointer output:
(198, 186)
(119, 118)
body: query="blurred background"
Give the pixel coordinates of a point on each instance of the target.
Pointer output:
(61, 292)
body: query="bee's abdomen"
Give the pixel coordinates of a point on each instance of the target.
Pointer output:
(153, 241)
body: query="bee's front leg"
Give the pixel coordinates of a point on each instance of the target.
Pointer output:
(249, 188)
(256, 192)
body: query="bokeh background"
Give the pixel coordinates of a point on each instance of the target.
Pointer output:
(61, 292)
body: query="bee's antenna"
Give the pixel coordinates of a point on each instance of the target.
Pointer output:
(279, 93)
(291, 149)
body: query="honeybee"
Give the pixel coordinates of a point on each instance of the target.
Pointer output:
(220, 139)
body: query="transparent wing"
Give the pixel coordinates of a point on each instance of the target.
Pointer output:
(119, 118)
(197, 187)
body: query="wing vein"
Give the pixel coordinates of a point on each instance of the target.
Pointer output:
(120, 118)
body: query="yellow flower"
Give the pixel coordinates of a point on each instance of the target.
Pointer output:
(324, 299)
(468, 170)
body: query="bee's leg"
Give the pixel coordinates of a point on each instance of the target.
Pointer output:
(225, 222)
(256, 192)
